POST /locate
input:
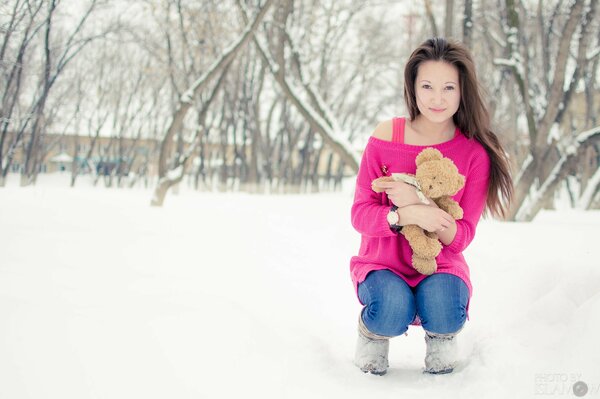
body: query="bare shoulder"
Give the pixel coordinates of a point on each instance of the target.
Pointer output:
(383, 131)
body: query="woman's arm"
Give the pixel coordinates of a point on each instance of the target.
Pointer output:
(400, 193)
(473, 203)
(369, 214)
(445, 235)
(429, 218)
(459, 233)
(369, 210)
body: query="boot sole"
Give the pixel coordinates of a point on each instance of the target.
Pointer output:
(379, 373)
(446, 371)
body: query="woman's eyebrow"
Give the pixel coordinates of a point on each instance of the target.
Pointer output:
(428, 81)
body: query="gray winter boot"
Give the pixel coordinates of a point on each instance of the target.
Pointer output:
(371, 351)
(441, 353)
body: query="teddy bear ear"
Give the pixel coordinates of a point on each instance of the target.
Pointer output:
(428, 154)
(460, 182)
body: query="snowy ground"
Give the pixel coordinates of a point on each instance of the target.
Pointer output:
(235, 295)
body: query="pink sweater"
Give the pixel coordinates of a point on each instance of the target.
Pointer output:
(381, 248)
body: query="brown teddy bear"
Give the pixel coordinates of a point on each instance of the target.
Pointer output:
(436, 178)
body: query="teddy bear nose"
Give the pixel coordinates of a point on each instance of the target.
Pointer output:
(430, 187)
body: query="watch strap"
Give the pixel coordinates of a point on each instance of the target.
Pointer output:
(395, 227)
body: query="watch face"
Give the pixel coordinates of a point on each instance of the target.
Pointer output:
(392, 217)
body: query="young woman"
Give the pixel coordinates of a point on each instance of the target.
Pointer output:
(447, 112)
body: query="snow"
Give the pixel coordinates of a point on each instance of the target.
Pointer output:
(506, 62)
(62, 157)
(587, 135)
(174, 174)
(536, 195)
(524, 167)
(187, 97)
(570, 69)
(225, 295)
(587, 196)
(514, 62)
(593, 54)
(554, 134)
(333, 132)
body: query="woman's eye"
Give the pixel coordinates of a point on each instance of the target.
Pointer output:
(426, 87)
(449, 87)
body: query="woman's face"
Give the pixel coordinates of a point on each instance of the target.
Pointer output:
(437, 90)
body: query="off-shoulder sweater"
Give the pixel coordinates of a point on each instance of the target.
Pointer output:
(382, 248)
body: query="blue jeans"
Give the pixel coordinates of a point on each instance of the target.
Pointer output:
(391, 304)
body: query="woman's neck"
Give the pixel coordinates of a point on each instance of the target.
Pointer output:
(436, 131)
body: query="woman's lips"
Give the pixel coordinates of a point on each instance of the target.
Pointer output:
(437, 109)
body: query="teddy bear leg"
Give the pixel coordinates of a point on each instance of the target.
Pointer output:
(425, 266)
(421, 244)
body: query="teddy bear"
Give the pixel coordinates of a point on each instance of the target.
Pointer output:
(436, 178)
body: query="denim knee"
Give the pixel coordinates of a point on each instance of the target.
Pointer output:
(441, 301)
(389, 303)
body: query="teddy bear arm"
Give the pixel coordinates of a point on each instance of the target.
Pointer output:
(449, 205)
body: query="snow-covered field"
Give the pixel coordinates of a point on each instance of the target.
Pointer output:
(236, 295)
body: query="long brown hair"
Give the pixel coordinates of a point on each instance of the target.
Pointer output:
(472, 117)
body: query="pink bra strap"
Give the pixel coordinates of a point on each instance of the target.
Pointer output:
(398, 130)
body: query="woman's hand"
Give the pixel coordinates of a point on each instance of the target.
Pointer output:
(400, 193)
(427, 217)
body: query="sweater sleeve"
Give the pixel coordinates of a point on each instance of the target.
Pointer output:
(369, 213)
(473, 203)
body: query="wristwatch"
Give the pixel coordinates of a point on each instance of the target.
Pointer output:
(393, 218)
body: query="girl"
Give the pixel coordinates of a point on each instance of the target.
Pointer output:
(446, 111)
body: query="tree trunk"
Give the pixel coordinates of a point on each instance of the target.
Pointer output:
(431, 18)
(186, 99)
(449, 24)
(332, 136)
(468, 23)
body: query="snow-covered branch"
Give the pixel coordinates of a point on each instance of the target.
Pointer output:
(186, 99)
(533, 204)
(526, 164)
(590, 191)
(327, 132)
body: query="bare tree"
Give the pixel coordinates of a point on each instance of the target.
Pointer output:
(449, 23)
(431, 18)
(53, 66)
(468, 23)
(551, 153)
(166, 180)
(318, 116)
(23, 25)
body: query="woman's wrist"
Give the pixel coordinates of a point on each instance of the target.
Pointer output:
(432, 203)
(405, 215)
